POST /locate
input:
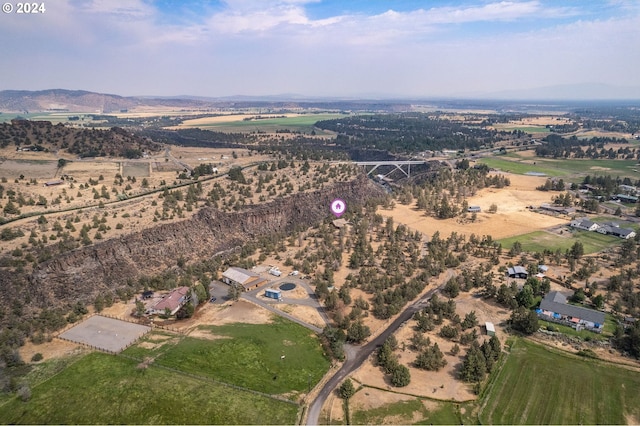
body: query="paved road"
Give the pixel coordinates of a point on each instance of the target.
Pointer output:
(356, 355)
(312, 301)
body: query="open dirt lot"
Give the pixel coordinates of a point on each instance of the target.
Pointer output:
(512, 217)
(105, 333)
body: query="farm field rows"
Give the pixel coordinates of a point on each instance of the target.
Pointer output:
(537, 385)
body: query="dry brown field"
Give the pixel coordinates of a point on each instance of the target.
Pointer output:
(512, 217)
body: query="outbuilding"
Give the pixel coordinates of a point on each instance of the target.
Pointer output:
(517, 272)
(273, 294)
(491, 329)
(241, 277)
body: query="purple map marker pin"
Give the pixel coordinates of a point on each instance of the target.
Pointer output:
(338, 207)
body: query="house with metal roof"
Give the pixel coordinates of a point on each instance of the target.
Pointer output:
(554, 307)
(241, 277)
(172, 302)
(584, 224)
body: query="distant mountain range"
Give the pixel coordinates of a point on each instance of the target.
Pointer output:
(100, 103)
(81, 101)
(84, 101)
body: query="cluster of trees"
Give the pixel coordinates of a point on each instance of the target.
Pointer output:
(557, 146)
(443, 194)
(552, 185)
(399, 375)
(82, 142)
(408, 132)
(480, 360)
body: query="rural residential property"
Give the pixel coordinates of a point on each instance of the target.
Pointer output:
(242, 278)
(172, 302)
(554, 307)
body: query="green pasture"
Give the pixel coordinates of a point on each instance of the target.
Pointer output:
(518, 167)
(222, 380)
(571, 167)
(248, 355)
(303, 123)
(538, 241)
(526, 129)
(539, 385)
(107, 389)
(251, 356)
(403, 412)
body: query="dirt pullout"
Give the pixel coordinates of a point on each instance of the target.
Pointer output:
(228, 313)
(54, 349)
(512, 217)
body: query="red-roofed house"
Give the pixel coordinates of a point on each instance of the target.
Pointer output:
(173, 301)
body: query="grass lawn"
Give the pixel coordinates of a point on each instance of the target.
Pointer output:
(538, 385)
(107, 389)
(583, 334)
(250, 357)
(538, 241)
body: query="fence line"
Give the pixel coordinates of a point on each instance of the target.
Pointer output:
(212, 380)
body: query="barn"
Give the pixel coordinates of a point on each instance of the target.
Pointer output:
(517, 272)
(242, 278)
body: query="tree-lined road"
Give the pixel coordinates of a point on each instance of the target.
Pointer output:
(356, 355)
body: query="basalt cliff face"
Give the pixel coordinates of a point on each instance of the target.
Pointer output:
(83, 273)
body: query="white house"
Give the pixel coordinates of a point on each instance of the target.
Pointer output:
(584, 224)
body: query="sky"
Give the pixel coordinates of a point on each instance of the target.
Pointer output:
(326, 48)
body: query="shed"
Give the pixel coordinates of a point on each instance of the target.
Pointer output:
(491, 330)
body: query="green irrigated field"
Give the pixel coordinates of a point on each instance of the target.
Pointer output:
(239, 377)
(539, 241)
(538, 385)
(526, 129)
(107, 389)
(302, 123)
(515, 163)
(250, 355)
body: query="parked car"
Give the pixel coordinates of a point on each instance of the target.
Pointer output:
(294, 273)
(213, 299)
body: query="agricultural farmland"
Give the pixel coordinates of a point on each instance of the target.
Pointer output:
(523, 163)
(168, 378)
(107, 389)
(539, 241)
(538, 385)
(267, 123)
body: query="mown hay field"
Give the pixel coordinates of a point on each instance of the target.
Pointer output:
(539, 385)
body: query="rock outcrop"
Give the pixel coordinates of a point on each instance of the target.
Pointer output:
(83, 273)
